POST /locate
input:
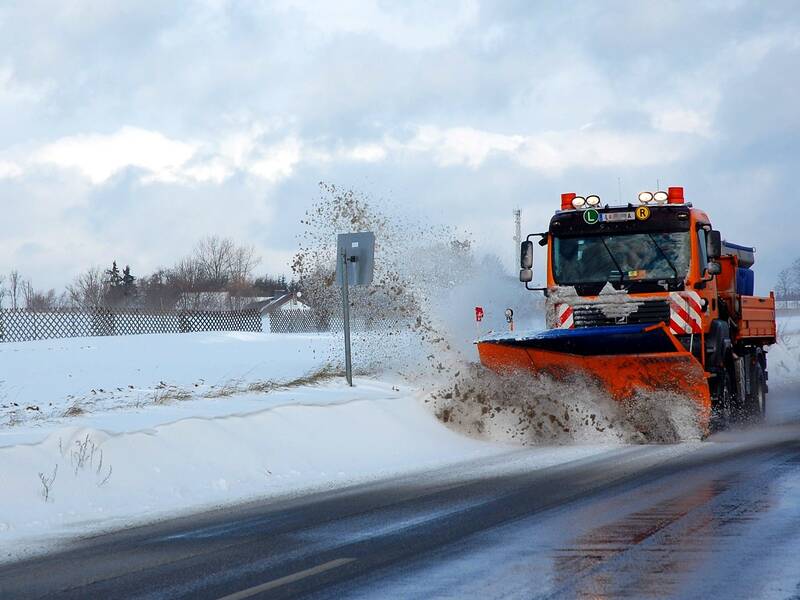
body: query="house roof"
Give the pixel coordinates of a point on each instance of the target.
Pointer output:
(278, 302)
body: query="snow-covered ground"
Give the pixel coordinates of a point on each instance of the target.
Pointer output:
(51, 381)
(104, 432)
(783, 360)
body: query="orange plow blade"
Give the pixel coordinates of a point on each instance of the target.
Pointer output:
(622, 359)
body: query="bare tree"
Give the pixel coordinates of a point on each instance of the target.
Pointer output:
(88, 289)
(783, 286)
(243, 263)
(41, 300)
(158, 290)
(187, 274)
(14, 284)
(240, 293)
(218, 274)
(215, 255)
(794, 280)
(28, 293)
(186, 278)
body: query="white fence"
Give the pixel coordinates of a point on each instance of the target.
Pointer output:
(787, 305)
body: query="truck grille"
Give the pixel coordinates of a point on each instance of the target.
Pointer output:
(649, 311)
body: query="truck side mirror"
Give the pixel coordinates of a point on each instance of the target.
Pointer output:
(526, 275)
(713, 244)
(526, 255)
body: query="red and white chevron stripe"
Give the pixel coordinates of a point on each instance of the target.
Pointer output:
(564, 317)
(685, 313)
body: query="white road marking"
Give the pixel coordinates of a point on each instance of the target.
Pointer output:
(271, 585)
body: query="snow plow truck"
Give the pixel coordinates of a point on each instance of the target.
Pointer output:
(646, 296)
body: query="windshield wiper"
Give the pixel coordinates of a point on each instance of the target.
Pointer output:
(616, 264)
(664, 254)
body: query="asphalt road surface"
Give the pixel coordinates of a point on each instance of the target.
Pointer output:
(721, 519)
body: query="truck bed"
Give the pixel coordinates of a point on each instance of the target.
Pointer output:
(757, 323)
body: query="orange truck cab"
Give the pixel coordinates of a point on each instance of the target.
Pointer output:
(647, 296)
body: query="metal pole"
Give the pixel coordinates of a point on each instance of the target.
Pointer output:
(346, 310)
(517, 237)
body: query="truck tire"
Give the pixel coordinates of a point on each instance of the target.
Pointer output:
(757, 402)
(722, 401)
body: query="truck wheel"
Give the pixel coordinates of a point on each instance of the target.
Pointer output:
(722, 402)
(757, 403)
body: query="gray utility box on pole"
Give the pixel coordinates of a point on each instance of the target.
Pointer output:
(355, 264)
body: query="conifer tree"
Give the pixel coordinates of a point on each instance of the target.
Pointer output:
(113, 278)
(128, 283)
(114, 282)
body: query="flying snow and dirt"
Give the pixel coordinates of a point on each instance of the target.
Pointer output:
(100, 433)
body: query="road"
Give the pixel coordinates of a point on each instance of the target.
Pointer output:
(719, 519)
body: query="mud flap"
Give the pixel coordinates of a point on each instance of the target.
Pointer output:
(622, 359)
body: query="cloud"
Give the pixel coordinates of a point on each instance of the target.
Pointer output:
(161, 159)
(679, 120)
(548, 152)
(462, 145)
(407, 25)
(277, 162)
(9, 169)
(370, 152)
(13, 91)
(99, 157)
(147, 126)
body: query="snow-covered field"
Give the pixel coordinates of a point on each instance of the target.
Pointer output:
(47, 382)
(105, 432)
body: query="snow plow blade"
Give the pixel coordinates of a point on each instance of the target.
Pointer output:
(621, 358)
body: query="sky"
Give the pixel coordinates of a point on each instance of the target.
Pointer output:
(130, 130)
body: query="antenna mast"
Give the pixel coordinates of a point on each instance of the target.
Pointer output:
(517, 237)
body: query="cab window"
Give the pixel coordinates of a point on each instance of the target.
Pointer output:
(702, 251)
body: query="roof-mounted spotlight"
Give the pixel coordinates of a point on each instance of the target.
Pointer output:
(645, 197)
(579, 202)
(593, 200)
(660, 197)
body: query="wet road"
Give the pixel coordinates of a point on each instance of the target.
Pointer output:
(720, 519)
(729, 528)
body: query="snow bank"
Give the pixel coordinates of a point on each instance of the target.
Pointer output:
(783, 362)
(105, 480)
(788, 325)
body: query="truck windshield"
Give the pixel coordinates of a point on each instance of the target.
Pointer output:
(617, 258)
